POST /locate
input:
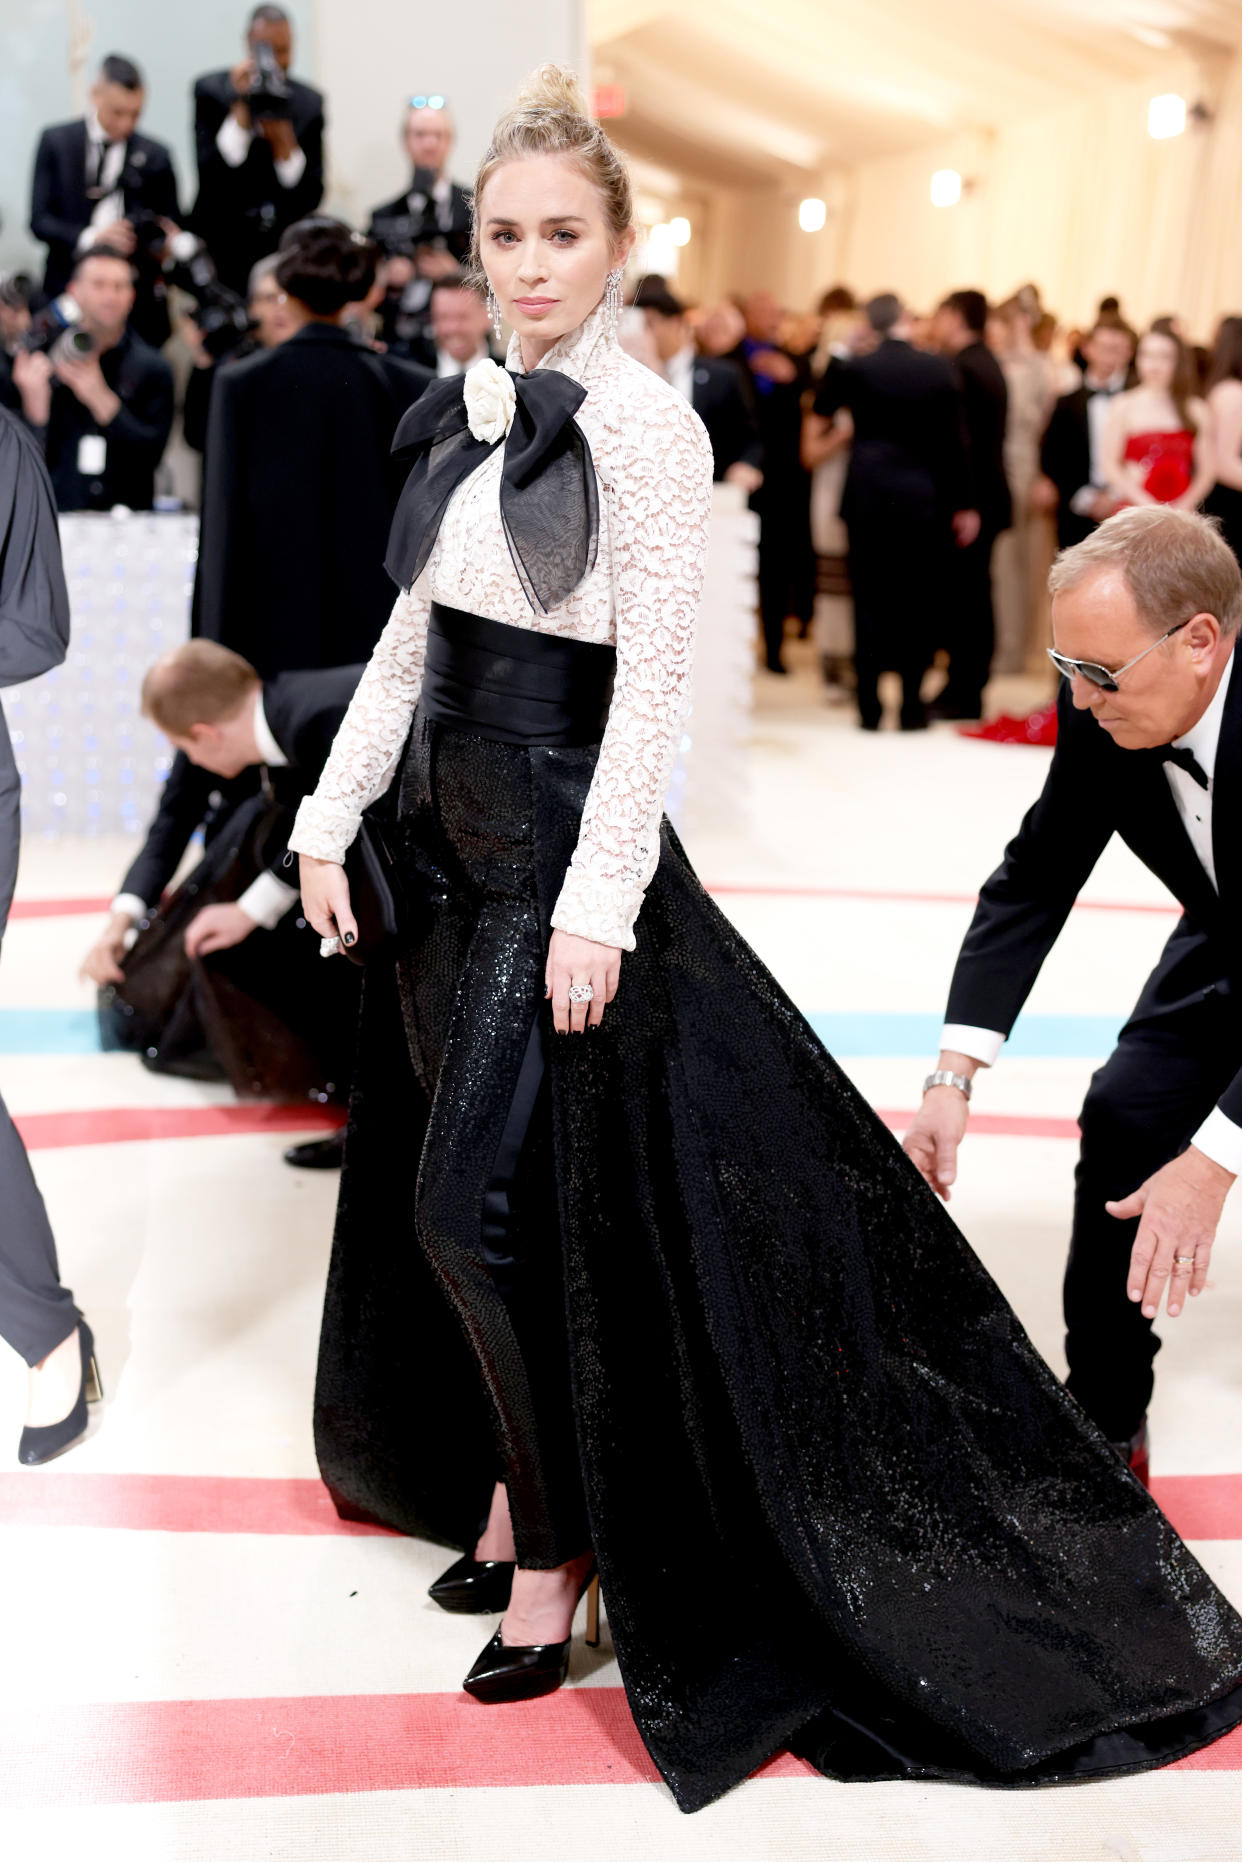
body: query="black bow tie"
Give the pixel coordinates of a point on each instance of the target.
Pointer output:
(1187, 760)
(548, 498)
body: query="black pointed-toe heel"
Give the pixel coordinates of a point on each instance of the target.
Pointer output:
(474, 1587)
(39, 1445)
(504, 1673)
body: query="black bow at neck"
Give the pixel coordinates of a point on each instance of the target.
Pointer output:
(549, 503)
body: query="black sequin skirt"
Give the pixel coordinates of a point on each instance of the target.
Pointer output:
(838, 1500)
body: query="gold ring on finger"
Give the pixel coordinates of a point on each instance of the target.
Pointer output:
(1183, 1260)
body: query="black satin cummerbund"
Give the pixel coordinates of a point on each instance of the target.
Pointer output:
(512, 684)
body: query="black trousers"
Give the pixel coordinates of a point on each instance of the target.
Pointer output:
(786, 559)
(36, 1312)
(896, 571)
(971, 629)
(1143, 1108)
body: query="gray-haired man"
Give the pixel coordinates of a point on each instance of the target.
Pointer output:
(1145, 615)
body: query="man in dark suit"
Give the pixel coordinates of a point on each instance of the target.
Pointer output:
(1073, 473)
(424, 232)
(459, 328)
(906, 492)
(783, 501)
(258, 136)
(104, 419)
(298, 495)
(228, 729)
(1145, 617)
(98, 180)
(958, 328)
(718, 393)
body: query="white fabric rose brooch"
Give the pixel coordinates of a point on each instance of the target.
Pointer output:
(490, 399)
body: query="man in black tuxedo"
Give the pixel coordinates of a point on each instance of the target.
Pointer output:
(98, 180)
(258, 136)
(717, 391)
(1145, 616)
(783, 501)
(1073, 474)
(424, 232)
(906, 494)
(229, 730)
(103, 420)
(958, 329)
(459, 328)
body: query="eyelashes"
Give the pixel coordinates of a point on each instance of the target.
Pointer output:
(563, 237)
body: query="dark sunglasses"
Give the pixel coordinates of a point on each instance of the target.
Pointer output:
(1100, 675)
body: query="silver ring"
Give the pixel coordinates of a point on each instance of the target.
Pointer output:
(581, 992)
(329, 946)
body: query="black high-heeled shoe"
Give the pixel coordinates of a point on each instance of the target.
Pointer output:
(474, 1586)
(505, 1673)
(39, 1445)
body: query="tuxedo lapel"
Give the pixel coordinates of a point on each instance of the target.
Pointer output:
(1156, 832)
(1227, 799)
(79, 205)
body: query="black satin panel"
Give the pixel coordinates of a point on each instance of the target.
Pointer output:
(910, 1553)
(512, 684)
(549, 499)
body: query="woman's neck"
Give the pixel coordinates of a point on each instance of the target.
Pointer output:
(535, 348)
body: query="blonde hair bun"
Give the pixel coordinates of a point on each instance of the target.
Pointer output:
(554, 88)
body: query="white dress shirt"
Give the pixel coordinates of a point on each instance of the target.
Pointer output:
(1218, 1137)
(680, 372)
(233, 142)
(447, 365)
(110, 206)
(266, 899)
(1097, 416)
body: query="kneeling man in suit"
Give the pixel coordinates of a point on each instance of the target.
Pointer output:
(1145, 613)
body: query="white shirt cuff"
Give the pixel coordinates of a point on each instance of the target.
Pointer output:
(130, 903)
(233, 141)
(981, 1044)
(290, 171)
(1221, 1140)
(267, 899)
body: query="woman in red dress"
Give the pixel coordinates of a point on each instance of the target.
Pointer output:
(1158, 437)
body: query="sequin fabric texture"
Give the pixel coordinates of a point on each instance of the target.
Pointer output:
(654, 466)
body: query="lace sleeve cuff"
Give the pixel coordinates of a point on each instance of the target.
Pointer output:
(323, 832)
(602, 910)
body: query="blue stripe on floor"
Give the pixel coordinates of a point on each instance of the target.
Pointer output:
(861, 1034)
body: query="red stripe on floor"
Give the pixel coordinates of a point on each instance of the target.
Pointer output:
(57, 908)
(999, 1125)
(1200, 1506)
(52, 1131)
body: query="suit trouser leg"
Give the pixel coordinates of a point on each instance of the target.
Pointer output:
(1142, 1109)
(36, 1312)
(973, 627)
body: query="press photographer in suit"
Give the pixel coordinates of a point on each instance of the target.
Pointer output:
(424, 233)
(258, 136)
(103, 416)
(98, 180)
(1145, 614)
(714, 389)
(258, 747)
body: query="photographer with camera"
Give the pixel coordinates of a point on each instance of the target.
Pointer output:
(98, 397)
(424, 233)
(97, 181)
(299, 482)
(258, 135)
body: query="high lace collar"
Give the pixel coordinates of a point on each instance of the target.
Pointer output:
(577, 353)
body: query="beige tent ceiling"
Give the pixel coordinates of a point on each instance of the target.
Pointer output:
(739, 92)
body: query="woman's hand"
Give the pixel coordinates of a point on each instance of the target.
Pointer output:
(325, 898)
(578, 960)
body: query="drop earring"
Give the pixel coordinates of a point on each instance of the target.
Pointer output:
(493, 311)
(612, 296)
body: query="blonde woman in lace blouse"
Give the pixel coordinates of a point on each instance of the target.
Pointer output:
(626, 1275)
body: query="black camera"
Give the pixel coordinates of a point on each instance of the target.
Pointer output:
(57, 331)
(268, 96)
(399, 235)
(221, 316)
(16, 290)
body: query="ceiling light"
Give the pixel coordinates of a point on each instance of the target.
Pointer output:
(946, 187)
(680, 230)
(1166, 116)
(811, 215)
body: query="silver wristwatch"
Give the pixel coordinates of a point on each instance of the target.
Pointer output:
(943, 1078)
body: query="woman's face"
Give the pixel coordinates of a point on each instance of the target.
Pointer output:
(1156, 361)
(545, 245)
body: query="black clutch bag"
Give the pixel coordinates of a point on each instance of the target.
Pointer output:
(373, 892)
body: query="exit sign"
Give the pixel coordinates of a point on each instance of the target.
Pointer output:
(608, 100)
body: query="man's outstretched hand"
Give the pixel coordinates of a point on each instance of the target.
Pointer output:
(1180, 1210)
(932, 1140)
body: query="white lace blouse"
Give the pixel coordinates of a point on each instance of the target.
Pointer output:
(653, 463)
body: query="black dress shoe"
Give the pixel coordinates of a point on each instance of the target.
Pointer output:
(474, 1587)
(947, 711)
(318, 1153)
(505, 1673)
(1136, 1454)
(40, 1445)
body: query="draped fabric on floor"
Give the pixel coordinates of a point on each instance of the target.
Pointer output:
(838, 1500)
